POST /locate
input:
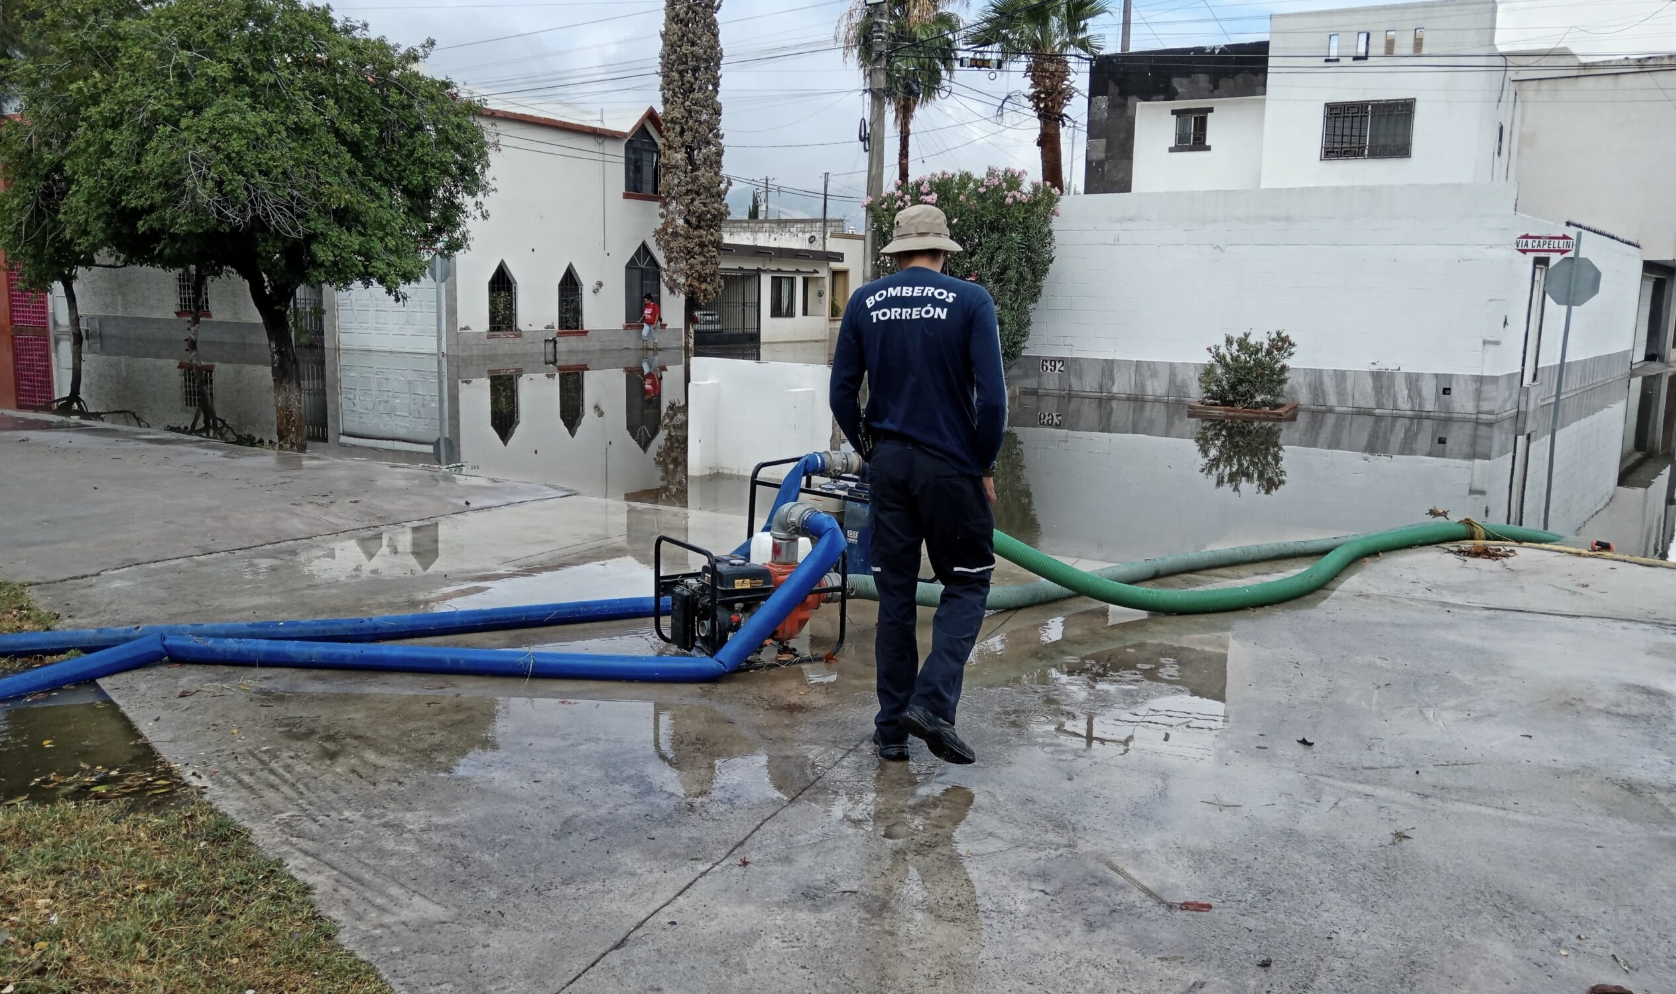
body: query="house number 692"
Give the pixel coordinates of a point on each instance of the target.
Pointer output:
(1053, 365)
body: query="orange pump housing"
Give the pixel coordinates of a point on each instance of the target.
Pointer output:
(798, 619)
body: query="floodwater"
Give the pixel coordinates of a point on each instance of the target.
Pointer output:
(76, 744)
(1098, 479)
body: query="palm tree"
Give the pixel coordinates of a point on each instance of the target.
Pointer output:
(920, 35)
(1043, 36)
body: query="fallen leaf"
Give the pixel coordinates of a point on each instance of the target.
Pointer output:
(1305, 742)
(744, 862)
(1596, 989)
(1621, 962)
(46, 743)
(1195, 905)
(186, 693)
(1265, 962)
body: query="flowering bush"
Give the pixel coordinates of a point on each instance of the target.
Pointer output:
(1005, 225)
(1248, 372)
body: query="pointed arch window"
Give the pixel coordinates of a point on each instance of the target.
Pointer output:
(503, 301)
(571, 401)
(641, 276)
(503, 405)
(570, 301)
(640, 162)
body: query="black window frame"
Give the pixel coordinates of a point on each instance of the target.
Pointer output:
(570, 302)
(183, 295)
(1197, 123)
(775, 300)
(641, 158)
(1364, 46)
(196, 384)
(811, 286)
(501, 281)
(1332, 47)
(1349, 129)
(642, 274)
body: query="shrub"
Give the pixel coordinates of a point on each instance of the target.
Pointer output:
(1005, 226)
(1247, 371)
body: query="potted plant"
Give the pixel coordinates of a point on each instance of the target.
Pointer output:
(1246, 379)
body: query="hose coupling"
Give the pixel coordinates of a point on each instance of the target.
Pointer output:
(791, 521)
(843, 464)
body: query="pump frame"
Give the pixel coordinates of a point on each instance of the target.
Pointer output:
(757, 482)
(665, 583)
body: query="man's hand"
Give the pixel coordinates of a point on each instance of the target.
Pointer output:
(989, 489)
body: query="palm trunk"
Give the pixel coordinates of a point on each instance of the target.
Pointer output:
(904, 124)
(1050, 91)
(72, 400)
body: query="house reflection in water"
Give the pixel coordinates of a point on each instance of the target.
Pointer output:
(593, 425)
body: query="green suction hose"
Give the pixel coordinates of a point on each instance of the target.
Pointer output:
(1113, 584)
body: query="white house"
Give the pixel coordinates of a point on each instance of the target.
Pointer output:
(786, 283)
(566, 250)
(1362, 181)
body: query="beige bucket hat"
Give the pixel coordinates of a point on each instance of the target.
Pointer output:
(920, 228)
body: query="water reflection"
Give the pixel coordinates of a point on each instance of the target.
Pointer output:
(920, 905)
(603, 423)
(59, 749)
(1116, 480)
(1239, 454)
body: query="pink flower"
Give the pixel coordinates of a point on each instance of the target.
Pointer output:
(1056, 211)
(867, 201)
(931, 199)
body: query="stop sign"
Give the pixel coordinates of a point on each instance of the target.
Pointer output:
(1573, 281)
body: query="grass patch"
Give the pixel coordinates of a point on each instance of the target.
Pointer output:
(18, 613)
(95, 897)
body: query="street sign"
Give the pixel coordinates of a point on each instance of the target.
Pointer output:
(1573, 282)
(1560, 244)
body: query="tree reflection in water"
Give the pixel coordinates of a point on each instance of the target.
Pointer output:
(1242, 453)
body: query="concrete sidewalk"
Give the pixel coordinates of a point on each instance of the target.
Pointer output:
(1490, 771)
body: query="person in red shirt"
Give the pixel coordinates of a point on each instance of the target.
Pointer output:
(651, 377)
(650, 314)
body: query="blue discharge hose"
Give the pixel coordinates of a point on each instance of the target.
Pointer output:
(208, 643)
(374, 629)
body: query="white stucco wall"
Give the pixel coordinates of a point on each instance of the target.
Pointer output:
(144, 292)
(1418, 278)
(1456, 113)
(746, 412)
(558, 202)
(1234, 133)
(1598, 150)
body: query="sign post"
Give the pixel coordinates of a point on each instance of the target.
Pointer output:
(1573, 281)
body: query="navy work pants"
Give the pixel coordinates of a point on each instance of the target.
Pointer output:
(918, 498)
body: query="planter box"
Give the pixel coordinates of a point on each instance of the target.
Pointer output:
(1213, 412)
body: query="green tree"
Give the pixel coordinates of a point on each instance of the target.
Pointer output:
(694, 189)
(755, 210)
(269, 139)
(1043, 36)
(46, 53)
(920, 42)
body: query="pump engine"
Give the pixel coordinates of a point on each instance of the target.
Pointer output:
(708, 606)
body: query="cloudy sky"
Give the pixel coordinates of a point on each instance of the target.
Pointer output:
(792, 105)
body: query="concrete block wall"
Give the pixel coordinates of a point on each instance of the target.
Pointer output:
(1393, 294)
(152, 388)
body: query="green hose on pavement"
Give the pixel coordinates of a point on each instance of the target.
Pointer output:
(1114, 584)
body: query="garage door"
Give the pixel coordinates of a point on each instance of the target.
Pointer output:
(387, 363)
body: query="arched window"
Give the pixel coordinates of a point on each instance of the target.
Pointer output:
(503, 405)
(503, 300)
(570, 301)
(570, 401)
(640, 162)
(640, 277)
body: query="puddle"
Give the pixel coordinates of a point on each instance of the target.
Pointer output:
(76, 745)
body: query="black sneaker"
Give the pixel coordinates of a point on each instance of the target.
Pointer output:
(938, 734)
(895, 753)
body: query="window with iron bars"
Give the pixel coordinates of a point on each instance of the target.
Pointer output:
(308, 315)
(503, 301)
(197, 386)
(183, 295)
(1368, 129)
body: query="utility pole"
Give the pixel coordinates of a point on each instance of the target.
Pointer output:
(765, 180)
(876, 132)
(826, 178)
(1128, 11)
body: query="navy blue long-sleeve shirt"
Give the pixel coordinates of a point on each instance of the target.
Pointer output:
(931, 351)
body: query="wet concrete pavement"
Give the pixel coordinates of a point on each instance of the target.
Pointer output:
(1492, 775)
